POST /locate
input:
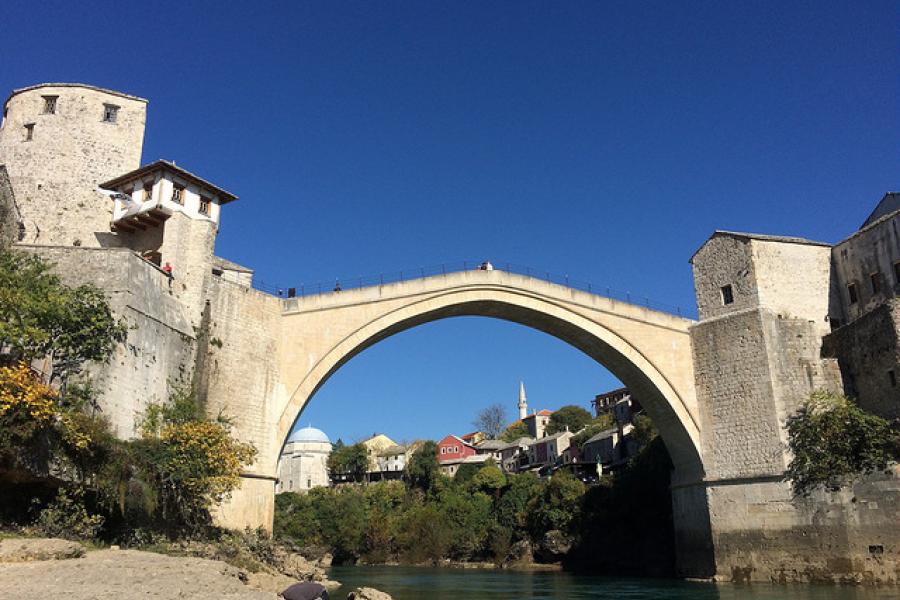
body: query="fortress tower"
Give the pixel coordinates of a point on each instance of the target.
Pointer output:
(58, 141)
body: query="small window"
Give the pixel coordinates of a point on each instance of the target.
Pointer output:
(897, 272)
(148, 191)
(29, 132)
(727, 295)
(178, 194)
(204, 205)
(50, 105)
(875, 278)
(852, 292)
(892, 377)
(110, 113)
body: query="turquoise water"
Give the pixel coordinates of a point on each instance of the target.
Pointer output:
(420, 583)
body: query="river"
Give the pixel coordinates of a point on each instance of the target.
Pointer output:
(422, 583)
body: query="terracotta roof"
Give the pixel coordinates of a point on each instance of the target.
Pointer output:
(224, 196)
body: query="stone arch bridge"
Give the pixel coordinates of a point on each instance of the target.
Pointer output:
(301, 342)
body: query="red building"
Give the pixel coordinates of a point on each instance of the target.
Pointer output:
(454, 448)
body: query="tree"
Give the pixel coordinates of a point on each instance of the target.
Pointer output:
(490, 480)
(350, 461)
(515, 431)
(190, 462)
(423, 470)
(595, 426)
(42, 318)
(570, 416)
(557, 507)
(491, 420)
(834, 441)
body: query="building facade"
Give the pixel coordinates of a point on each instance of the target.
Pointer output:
(303, 464)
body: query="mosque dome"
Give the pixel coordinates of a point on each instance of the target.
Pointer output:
(309, 434)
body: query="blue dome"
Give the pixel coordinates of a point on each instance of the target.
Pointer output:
(309, 434)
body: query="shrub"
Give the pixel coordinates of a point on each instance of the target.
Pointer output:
(834, 441)
(67, 517)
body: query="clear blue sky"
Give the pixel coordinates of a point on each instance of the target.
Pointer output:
(605, 140)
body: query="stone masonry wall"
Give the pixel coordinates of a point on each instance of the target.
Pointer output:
(56, 173)
(159, 350)
(739, 428)
(793, 280)
(9, 214)
(240, 379)
(872, 250)
(724, 260)
(762, 533)
(867, 351)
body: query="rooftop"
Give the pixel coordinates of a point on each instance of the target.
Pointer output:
(308, 434)
(165, 165)
(760, 237)
(80, 85)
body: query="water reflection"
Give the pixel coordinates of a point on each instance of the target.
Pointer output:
(415, 583)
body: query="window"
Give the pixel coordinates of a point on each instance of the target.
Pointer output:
(29, 132)
(851, 291)
(50, 105)
(897, 272)
(204, 205)
(148, 191)
(443, 451)
(727, 295)
(110, 113)
(892, 377)
(178, 194)
(875, 278)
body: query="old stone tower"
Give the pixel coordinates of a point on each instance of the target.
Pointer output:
(59, 141)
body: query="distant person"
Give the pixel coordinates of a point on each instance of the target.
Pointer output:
(487, 266)
(306, 590)
(167, 269)
(337, 286)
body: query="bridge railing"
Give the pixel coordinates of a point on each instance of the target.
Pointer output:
(349, 283)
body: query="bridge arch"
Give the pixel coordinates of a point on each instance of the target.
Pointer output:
(648, 374)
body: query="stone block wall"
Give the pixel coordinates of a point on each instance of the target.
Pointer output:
(760, 532)
(55, 174)
(9, 213)
(160, 348)
(867, 351)
(873, 250)
(724, 260)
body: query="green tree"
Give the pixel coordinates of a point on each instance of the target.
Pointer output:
(42, 318)
(515, 431)
(570, 416)
(423, 469)
(350, 461)
(490, 480)
(512, 508)
(834, 441)
(557, 507)
(593, 427)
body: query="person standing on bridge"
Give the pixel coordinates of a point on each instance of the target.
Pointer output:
(487, 266)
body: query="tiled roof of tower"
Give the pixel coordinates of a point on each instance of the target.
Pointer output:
(81, 85)
(890, 203)
(224, 195)
(762, 237)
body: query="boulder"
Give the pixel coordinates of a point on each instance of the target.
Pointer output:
(521, 553)
(554, 546)
(366, 593)
(28, 549)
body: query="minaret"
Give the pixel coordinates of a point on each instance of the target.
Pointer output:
(523, 403)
